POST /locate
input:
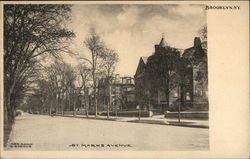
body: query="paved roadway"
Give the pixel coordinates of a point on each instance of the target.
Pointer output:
(59, 133)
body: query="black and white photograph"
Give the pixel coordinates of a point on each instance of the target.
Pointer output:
(98, 77)
(105, 77)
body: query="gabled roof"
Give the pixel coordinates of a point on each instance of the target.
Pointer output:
(141, 66)
(144, 59)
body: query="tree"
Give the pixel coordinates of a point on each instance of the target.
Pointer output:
(30, 31)
(163, 73)
(84, 82)
(203, 33)
(54, 87)
(110, 59)
(40, 96)
(96, 47)
(61, 78)
(202, 74)
(143, 94)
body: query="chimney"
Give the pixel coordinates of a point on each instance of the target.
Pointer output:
(197, 42)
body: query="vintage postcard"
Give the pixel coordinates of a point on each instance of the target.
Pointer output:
(124, 79)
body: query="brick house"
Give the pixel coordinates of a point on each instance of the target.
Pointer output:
(196, 59)
(171, 77)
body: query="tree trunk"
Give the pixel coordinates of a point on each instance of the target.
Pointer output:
(139, 111)
(9, 110)
(109, 101)
(95, 103)
(95, 100)
(60, 105)
(50, 108)
(69, 103)
(74, 107)
(94, 85)
(6, 120)
(86, 95)
(167, 97)
(8, 90)
(167, 105)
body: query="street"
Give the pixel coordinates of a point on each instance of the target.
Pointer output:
(42, 132)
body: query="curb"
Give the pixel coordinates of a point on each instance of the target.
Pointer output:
(191, 126)
(141, 121)
(92, 118)
(171, 124)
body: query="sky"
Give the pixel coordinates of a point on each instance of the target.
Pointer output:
(133, 30)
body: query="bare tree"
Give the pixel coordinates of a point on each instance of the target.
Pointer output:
(84, 82)
(110, 59)
(29, 32)
(96, 46)
(61, 77)
(203, 33)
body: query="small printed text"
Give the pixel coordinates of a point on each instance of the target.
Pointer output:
(21, 145)
(99, 145)
(223, 7)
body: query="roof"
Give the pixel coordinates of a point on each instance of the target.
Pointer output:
(203, 46)
(141, 66)
(163, 43)
(144, 59)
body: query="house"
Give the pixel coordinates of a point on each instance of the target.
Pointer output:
(118, 91)
(196, 59)
(169, 78)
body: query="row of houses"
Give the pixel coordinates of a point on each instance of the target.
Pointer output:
(169, 79)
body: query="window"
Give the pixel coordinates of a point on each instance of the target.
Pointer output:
(176, 94)
(188, 96)
(129, 81)
(201, 93)
(197, 91)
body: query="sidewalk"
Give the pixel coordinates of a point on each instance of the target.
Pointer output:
(159, 119)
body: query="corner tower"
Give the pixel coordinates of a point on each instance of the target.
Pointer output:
(162, 45)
